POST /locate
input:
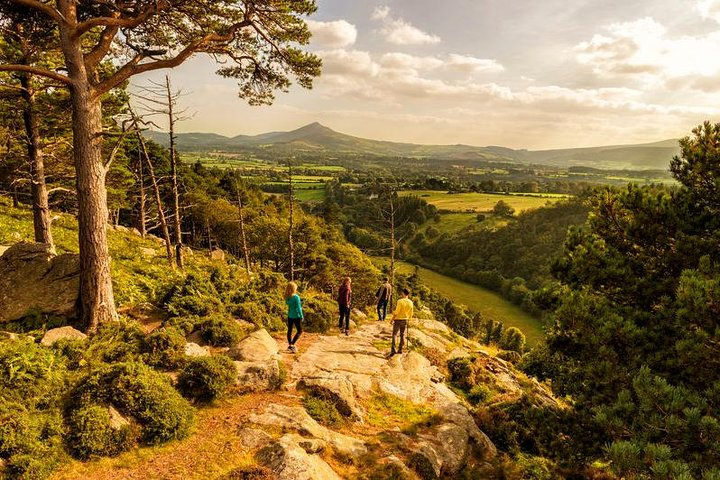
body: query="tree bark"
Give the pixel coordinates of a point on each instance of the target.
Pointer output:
(173, 176)
(97, 302)
(40, 204)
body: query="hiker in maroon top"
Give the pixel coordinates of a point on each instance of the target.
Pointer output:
(344, 303)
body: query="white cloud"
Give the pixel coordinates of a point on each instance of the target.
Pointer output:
(466, 63)
(643, 49)
(709, 9)
(404, 61)
(335, 34)
(400, 32)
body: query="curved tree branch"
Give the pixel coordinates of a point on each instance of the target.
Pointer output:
(42, 7)
(41, 72)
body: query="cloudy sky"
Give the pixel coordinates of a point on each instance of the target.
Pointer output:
(517, 73)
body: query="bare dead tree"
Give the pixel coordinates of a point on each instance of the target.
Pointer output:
(246, 250)
(160, 99)
(136, 122)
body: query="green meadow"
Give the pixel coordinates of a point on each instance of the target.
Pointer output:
(482, 202)
(476, 298)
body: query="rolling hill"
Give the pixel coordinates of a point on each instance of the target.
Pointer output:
(321, 139)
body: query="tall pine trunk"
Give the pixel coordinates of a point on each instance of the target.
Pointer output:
(97, 303)
(40, 204)
(143, 196)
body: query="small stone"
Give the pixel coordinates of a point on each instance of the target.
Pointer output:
(55, 334)
(195, 350)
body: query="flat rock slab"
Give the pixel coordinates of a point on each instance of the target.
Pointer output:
(297, 418)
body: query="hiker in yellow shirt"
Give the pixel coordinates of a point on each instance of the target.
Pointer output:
(400, 317)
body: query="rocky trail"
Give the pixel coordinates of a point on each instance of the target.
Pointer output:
(399, 417)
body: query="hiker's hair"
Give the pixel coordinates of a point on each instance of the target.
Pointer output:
(405, 291)
(387, 279)
(290, 289)
(346, 281)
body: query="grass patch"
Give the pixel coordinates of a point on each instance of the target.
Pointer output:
(482, 202)
(387, 411)
(323, 411)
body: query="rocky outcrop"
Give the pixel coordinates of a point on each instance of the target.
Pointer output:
(55, 334)
(33, 279)
(297, 418)
(289, 461)
(337, 389)
(257, 376)
(256, 361)
(259, 346)
(218, 255)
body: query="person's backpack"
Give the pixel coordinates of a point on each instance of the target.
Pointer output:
(381, 293)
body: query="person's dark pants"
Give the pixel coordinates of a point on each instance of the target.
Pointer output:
(297, 323)
(399, 326)
(382, 309)
(344, 320)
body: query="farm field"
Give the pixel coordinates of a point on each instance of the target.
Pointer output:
(482, 202)
(452, 223)
(476, 298)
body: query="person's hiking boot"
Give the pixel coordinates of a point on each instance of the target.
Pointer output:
(347, 332)
(399, 352)
(391, 354)
(293, 348)
(290, 348)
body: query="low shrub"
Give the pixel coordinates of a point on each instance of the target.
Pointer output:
(323, 410)
(206, 378)
(30, 374)
(137, 390)
(194, 295)
(510, 356)
(91, 433)
(72, 350)
(319, 313)
(165, 347)
(462, 372)
(30, 441)
(121, 341)
(254, 472)
(513, 340)
(221, 331)
(479, 394)
(185, 324)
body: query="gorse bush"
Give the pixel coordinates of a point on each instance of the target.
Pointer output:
(220, 331)
(92, 433)
(165, 347)
(137, 390)
(206, 378)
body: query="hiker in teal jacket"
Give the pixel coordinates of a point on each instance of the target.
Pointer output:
(294, 316)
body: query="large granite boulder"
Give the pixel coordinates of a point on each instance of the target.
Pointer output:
(258, 376)
(259, 346)
(33, 279)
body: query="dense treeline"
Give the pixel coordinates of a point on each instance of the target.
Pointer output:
(635, 339)
(515, 259)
